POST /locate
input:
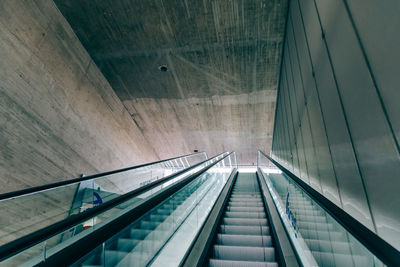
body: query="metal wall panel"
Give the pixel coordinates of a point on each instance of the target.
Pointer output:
(302, 111)
(373, 142)
(338, 111)
(380, 41)
(295, 117)
(349, 180)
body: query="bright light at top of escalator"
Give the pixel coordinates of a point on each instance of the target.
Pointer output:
(247, 169)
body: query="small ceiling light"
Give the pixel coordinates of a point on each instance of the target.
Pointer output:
(163, 68)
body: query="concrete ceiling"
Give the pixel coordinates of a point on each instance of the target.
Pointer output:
(222, 59)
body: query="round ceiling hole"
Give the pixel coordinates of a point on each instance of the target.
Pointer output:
(163, 68)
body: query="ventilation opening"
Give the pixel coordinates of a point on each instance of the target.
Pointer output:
(163, 68)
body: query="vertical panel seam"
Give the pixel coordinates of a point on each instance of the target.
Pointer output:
(318, 96)
(371, 73)
(305, 104)
(291, 115)
(281, 66)
(297, 107)
(345, 116)
(288, 130)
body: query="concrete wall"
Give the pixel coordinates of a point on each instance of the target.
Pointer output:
(223, 61)
(338, 114)
(59, 117)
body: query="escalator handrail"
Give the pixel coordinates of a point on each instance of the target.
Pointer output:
(81, 179)
(374, 243)
(16, 246)
(71, 253)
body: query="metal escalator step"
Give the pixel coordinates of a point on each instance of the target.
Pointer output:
(158, 218)
(244, 230)
(243, 214)
(148, 225)
(241, 253)
(169, 206)
(163, 211)
(113, 257)
(315, 226)
(152, 225)
(250, 209)
(244, 221)
(94, 260)
(126, 244)
(134, 259)
(302, 218)
(336, 259)
(139, 233)
(252, 199)
(321, 235)
(148, 245)
(245, 204)
(244, 240)
(245, 192)
(309, 212)
(228, 263)
(301, 206)
(245, 197)
(332, 246)
(245, 200)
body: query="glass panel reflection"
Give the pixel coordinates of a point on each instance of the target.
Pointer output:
(317, 237)
(163, 234)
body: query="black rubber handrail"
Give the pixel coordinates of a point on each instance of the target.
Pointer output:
(80, 179)
(14, 247)
(374, 243)
(73, 252)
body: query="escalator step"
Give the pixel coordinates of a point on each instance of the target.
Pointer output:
(243, 214)
(250, 209)
(227, 263)
(331, 259)
(241, 253)
(244, 230)
(244, 240)
(158, 218)
(322, 235)
(126, 244)
(333, 246)
(245, 204)
(315, 226)
(139, 233)
(244, 221)
(113, 257)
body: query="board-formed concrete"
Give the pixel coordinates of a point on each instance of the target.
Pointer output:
(59, 117)
(222, 58)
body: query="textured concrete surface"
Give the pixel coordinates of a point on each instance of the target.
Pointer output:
(59, 117)
(223, 60)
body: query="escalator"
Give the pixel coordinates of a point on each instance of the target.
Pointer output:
(137, 209)
(244, 237)
(138, 243)
(272, 218)
(204, 213)
(329, 245)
